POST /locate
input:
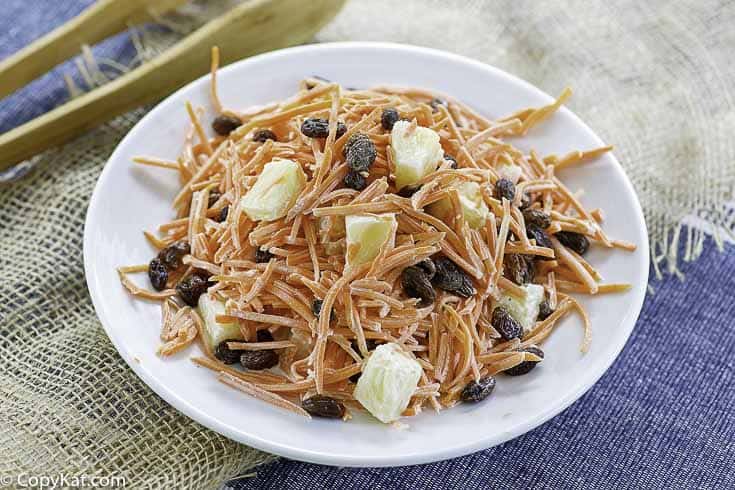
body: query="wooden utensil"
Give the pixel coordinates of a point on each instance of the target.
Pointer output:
(252, 27)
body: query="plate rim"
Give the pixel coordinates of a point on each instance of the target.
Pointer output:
(311, 456)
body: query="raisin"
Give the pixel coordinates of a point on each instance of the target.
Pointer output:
(324, 406)
(262, 256)
(409, 190)
(476, 391)
(355, 180)
(436, 102)
(316, 127)
(171, 256)
(506, 325)
(416, 284)
(360, 152)
(572, 240)
(519, 268)
(505, 188)
(389, 118)
(223, 214)
(544, 310)
(264, 336)
(536, 217)
(541, 237)
(263, 135)
(450, 158)
(526, 366)
(451, 278)
(428, 266)
(316, 308)
(258, 359)
(191, 287)
(225, 354)
(213, 198)
(158, 274)
(224, 125)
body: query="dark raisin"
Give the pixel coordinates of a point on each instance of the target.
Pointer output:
(544, 310)
(262, 256)
(409, 190)
(191, 287)
(316, 308)
(476, 391)
(264, 336)
(354, 180)
(436, 102)
(224, 125)
(536, 217)
(519, 268)
(213, 198)
(506, 325)
(263, 135)
(225, 354)
(572, 240)
(158, 274)
(324, 406)
(360, 152)
(450, 158)
(171, 256)
(389, 117)
(223, 214)
(505, 188)
(258, 359)
(416, 284)
(541, 237)
(428, 266)
(525, 366)
(316, 127)
(451, 278)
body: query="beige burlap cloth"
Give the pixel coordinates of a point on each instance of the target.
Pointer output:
(653, 78)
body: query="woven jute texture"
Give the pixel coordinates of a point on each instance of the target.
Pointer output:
(653, 78)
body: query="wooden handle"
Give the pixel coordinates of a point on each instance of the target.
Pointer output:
(250, 28)
(101, 20)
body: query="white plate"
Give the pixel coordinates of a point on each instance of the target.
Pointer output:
(131, 198)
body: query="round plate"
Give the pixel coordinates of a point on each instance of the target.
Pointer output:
(130, 198)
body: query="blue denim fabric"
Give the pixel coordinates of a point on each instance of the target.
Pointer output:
(663, 416)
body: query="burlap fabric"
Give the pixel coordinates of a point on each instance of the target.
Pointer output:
(653, 78)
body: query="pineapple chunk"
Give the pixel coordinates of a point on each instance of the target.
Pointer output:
(275, 191)
(415, 152)
(366, 233)
(389, 378)
(509, 171)
(524, 311)
(474, 209)
(216, 332)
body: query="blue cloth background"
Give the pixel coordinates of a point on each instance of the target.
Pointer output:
(662, 417)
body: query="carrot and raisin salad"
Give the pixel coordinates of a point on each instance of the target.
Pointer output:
(385, 249)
